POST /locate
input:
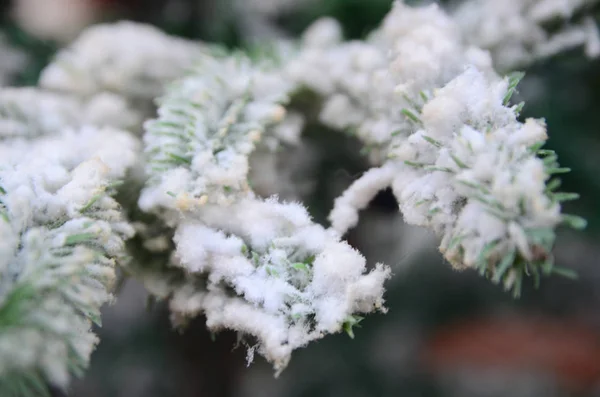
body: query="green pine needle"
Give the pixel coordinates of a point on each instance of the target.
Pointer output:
(413, 117)
(574, 221)
(513, 80)
(79, 238)
(564, 272)
(349, 323)
(432, 141)
(507, 261)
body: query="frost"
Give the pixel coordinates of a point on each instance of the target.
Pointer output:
(260, 267)
(420, 94)
(515, 31)
(103, 59)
